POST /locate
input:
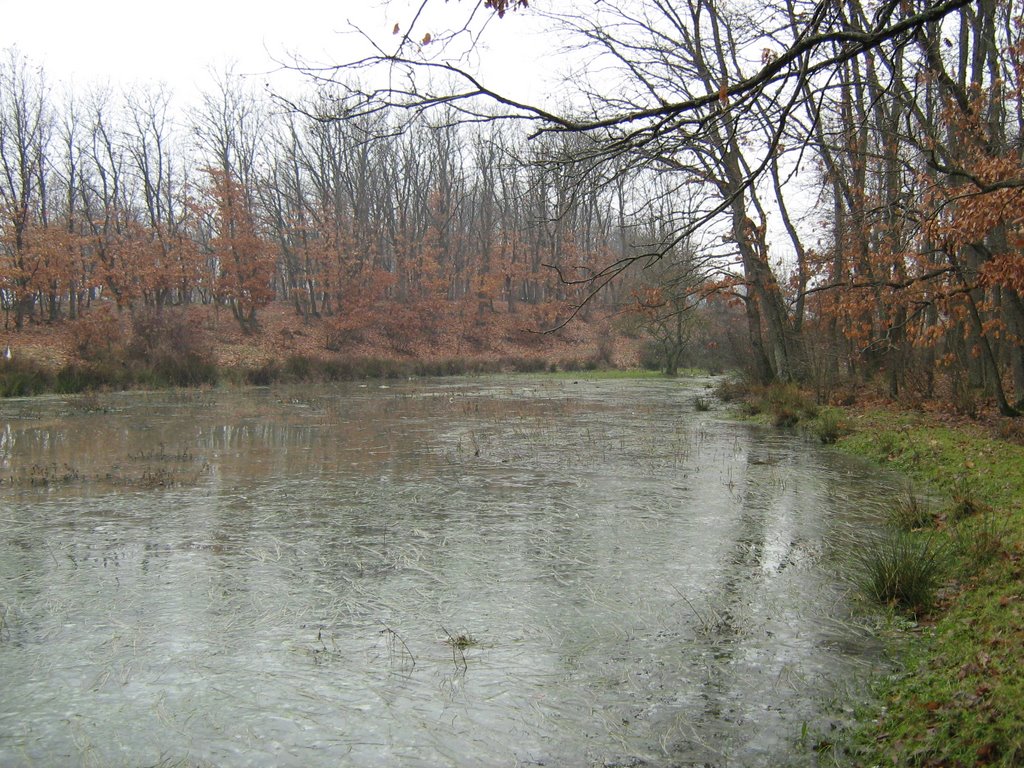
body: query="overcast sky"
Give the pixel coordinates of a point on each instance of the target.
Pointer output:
(127, 41)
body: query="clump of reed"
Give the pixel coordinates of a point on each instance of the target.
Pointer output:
(829, 426)
(903, 569)
(22, 377)
(701, 404)
(910, 512)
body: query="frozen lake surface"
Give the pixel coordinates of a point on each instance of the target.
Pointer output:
(466, 572)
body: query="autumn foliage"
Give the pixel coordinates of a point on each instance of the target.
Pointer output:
(412, 242)
(904, 276)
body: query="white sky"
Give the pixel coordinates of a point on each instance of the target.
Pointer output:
(127, 42)
(124, 42)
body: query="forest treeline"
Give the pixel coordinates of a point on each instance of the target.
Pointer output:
(856, 217)
(876, 146)
(123, 199)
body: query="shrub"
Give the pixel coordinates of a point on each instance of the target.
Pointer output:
(829, 426)
(99, 335)
(23, 378)
(902, 570)
(167, 349)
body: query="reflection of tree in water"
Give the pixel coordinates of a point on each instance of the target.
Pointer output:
(754, 625)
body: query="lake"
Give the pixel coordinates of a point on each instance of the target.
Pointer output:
(466, 572)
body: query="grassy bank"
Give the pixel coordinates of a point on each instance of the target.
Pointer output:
(947, 574)
(196, 346)
(959, 699)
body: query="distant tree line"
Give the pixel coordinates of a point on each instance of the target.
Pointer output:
(124, 200)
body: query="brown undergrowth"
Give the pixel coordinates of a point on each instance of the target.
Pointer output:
(199, 345)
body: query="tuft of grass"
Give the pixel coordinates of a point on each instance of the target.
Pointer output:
(903, 570)
(981, 541)
(964, 497)
(459, 644)
(701, 403)
(910, 512)
(731, 389)
(461, 640)
(784, 404)
(829, 426)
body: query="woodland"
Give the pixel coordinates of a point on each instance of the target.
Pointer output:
(823, 193)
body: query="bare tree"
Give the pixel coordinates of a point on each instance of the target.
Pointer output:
(26, 124)
(684, 95)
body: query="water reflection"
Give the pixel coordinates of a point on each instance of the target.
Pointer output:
(275, 577)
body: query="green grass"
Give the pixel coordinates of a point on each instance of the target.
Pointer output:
(960, 697)
(829, 425)
(910, 512)
(903, 569)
